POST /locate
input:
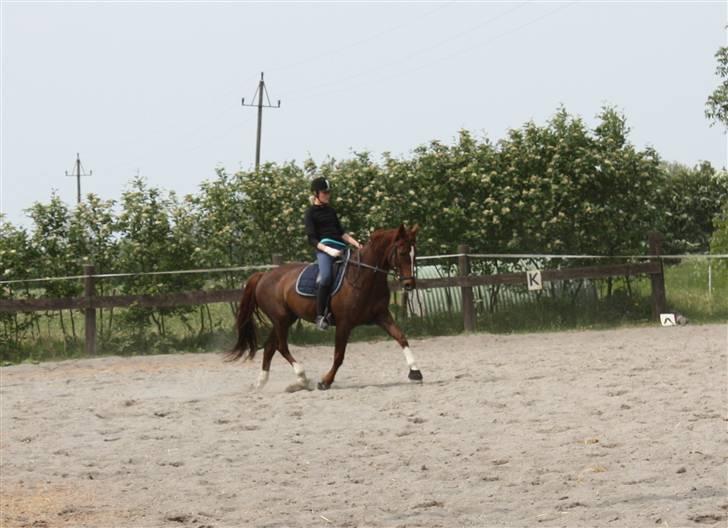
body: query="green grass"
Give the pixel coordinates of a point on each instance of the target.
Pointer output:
(687, 290)
(556, 314)
(686, 285)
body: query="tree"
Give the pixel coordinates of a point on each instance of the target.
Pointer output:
(15, 254)
(92, 233)
(151, 228)
(716, 107)
(223, 226)
(562, 188)
(690, 199)
(92, 238)
(53, 256)
(719, 241)
(274, 201)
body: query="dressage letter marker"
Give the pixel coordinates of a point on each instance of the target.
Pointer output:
(667, 319)
(533, 278)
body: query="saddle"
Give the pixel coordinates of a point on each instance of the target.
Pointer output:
(307, 283)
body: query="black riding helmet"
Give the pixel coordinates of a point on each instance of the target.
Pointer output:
(320, 184)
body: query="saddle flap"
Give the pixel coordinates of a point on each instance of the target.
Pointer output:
(307, 284)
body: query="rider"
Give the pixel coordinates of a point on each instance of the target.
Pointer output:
(325, 233)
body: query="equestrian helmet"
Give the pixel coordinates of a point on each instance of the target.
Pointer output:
(320, 184)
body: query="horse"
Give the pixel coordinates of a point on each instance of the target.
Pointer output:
(363, 299)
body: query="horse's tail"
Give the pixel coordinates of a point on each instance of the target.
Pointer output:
(245, 323)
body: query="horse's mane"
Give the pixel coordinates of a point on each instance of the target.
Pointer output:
(384, 232)
(382, 237)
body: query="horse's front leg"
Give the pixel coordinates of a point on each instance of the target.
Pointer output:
(342, 337)
(387, 323)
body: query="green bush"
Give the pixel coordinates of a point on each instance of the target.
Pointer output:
(559, 187)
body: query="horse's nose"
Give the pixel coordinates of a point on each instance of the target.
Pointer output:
(409, 286)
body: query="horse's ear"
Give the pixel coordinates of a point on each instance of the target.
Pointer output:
(401, 232)
(414, 230)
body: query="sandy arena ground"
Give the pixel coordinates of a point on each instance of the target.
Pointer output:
(598, 428)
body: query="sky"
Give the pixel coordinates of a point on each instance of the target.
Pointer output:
(155, 88)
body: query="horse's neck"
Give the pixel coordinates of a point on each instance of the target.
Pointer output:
(373, 254)
(370, 284)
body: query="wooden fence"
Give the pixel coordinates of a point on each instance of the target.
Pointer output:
(90, 302)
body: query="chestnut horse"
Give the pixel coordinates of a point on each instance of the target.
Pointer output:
(362, 299)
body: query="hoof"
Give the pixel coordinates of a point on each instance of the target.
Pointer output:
(415, 375)
(323, 386)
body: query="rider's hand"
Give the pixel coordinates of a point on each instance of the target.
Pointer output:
(334, 253)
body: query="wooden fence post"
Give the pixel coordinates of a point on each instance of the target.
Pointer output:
(277, 259)
(659, 302)
(466, 292)
(89, 292)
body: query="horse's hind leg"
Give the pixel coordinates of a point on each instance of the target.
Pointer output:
(302, 382)
(268, 350)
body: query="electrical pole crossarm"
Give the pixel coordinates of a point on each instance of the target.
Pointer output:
(77, 174)
(260, 92)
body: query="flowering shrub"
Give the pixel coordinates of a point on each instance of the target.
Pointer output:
(560, 187)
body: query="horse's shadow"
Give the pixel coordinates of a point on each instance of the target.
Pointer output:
(407, 383)
(385, 385)
(354, 386)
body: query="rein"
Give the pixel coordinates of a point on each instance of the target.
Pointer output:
(359, 264)
(377, 269)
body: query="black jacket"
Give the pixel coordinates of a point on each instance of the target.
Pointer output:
(322, 222)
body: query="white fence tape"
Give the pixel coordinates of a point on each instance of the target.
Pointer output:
(141, 274)
(431, 257)
(575, 257)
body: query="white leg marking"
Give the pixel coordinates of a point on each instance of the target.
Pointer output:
(262, 378)
(410, 358)
(298, 369)
(300, 373)
(302, 380)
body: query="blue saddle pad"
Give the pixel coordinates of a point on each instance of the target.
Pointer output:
(306, 283)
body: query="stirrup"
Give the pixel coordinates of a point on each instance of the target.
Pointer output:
(321, 322)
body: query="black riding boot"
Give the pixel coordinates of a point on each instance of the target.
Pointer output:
(322, 299)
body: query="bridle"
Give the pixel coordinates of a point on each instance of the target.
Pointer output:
(397, 263)
(393, 258)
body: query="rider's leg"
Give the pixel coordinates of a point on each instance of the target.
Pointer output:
(325, 263)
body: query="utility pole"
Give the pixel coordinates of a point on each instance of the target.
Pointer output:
(78, 175)
(259, 92)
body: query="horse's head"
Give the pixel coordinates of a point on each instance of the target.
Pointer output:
(401, 255)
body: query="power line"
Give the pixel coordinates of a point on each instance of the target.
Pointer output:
(405, 59)
(292, 65)
(429, 64)
(341, 49)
